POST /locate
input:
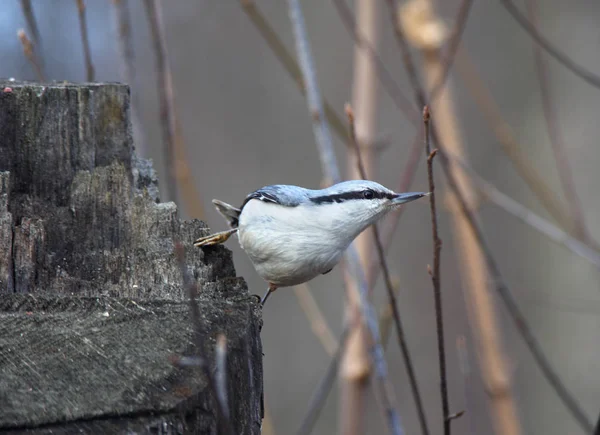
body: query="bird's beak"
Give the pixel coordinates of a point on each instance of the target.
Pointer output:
(402, 198)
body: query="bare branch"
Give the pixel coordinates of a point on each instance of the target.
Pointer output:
(555, 135)
(315, 317)
(199, 339)
(87, 54)
(391, 295)
(32, 27)
(325, 146)
(583, 73)
(221, 375)
(435, 276)
(30, 54)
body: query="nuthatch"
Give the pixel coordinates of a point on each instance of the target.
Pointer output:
(292, 234)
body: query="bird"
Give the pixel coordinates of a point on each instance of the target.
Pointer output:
(292, 234)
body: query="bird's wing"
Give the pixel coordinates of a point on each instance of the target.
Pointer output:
(289, 196)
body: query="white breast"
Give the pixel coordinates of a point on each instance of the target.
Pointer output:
(292, 245)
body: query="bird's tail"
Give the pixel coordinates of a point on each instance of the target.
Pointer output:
(229, 212)
(231, 215)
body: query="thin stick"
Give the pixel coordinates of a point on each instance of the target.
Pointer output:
(286, 59)
(315, 317)
(128, 73)
(535, 221)
(513, 309)
(435, 276)
(463, 201)
(221, 375)
(555, 134)
(30, 54)
(331, 172)
(87, 54)
(355, 365)
(583, 73)
(391, 295)
(165, 91)
(199, 337)
(32, 26)
(510, 146)
(322, 391)
(313, 95)
(473, 268)
(459, 27)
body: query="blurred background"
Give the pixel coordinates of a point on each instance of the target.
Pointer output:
(242, 123)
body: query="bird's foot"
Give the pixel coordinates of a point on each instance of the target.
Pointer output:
(214, 239)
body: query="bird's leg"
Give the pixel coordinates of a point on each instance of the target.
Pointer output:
(214, 239)
(271, 289)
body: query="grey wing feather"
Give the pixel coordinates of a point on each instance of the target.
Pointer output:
(229, 212)
(289, 196)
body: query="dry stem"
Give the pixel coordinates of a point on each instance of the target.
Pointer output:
(473, 265)
(87, 54)
(30, 54)
(555, 135)
(435, 276)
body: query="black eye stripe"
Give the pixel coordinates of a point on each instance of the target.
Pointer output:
(346, 196)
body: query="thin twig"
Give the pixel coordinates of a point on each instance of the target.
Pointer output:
(386, 78)
(459, 27)
(435, 276)
(199, 338)
(331, 172)
(498, 282)
(30, 54)
(583, 73)
(32, 26)
(555, 134)
(513, 309)
(526, 215)
(221, 373)
(391, 296)
(313, 95)
(510, 146)
(315, 317)
(89, 67)
(465, 371)
(127, 54)
(165, 91)
(322, 391)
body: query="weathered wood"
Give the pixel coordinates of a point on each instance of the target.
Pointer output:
(91, 297)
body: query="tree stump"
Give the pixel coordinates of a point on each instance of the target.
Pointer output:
(92, 302)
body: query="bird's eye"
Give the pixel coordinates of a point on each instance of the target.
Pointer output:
(368, 194)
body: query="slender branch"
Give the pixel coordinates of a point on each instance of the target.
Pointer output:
(459, 27)
(199, 337)
(331, 172)
(527, 216)
(30, 54)
(123, 32)
(510, 146)
(32, 26)
(221, 375)
(315, 317)
(87, 54)
(286, 59)
(465, 371)
(583, 73)
(435, 276)
(498, 282)
(555, 134)
(313, 95)
(391, 295)
(322, 391)
(513, 309)
(165, 91)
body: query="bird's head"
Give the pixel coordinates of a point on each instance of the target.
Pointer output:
(361, 201)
